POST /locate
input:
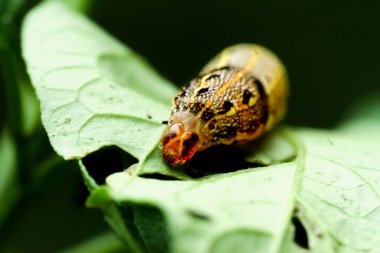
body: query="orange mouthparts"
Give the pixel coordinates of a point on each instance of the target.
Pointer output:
(179, 145)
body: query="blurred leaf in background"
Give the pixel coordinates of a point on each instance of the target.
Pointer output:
(9, 188)
(41, 202)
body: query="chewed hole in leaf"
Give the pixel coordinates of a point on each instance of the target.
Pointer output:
(300, 234)
(159, 176)
(107, 161)
(218, 159)
(199, 216)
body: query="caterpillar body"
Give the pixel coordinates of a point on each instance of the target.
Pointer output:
(238, 96)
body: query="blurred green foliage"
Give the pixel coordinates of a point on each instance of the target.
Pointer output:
(42, 197)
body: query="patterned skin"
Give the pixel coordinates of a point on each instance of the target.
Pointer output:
(237, 97)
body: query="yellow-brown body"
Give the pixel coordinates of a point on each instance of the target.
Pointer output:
(238, 96)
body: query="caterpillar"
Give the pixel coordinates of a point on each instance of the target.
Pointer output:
(237, 97)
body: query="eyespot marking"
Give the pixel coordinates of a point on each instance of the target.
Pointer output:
(196, 107)
(211, 124)
(246, 96)
(227, 105)
(203, 90)
(207, 115)
(260, 88)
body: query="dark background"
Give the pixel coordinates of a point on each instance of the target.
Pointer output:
(330, 48)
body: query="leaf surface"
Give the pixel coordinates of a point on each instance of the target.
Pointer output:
(249, 208)
(94, 91)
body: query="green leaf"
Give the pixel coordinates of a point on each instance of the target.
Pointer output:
(103, 243)
(340, 189)
(245, 209)
(95, 92)
(9, 188)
